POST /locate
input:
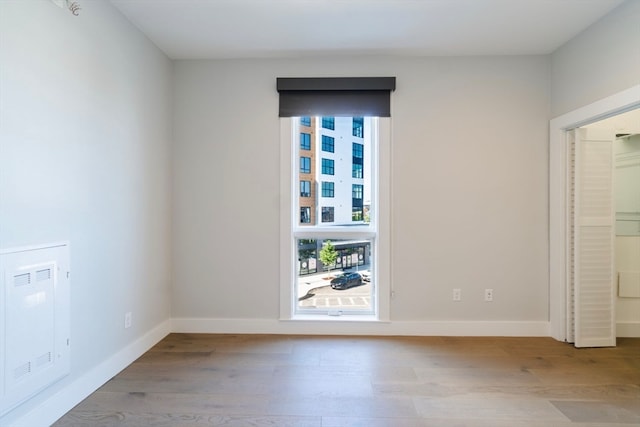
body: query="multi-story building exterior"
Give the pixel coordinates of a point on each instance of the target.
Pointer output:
(333, 176)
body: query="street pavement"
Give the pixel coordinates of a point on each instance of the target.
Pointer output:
(315, 291)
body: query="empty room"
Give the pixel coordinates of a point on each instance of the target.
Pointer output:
(319, 213)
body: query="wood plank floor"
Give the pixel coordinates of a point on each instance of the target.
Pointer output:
(198, 380)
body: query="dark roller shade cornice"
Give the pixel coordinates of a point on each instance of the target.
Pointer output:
(335, 96)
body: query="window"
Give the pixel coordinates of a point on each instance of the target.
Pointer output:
(327, 166)
(359, 248)
(357, 151)
(357, 191)
(307, 256)
(305, 188)
(336, 228)
(305, 164)
(328, 189)
(305, 141)
(329, 123)
(358, 127)
(357, 214)
(357, 209)
(327, 214)
(305, 215)
(305, 121)
(356, 171)
(328, 143)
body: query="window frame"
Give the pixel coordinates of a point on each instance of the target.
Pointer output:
(357, 172)
(359, 152)
(306, 170)
(357, 190)
(357, 127)
(305, 190)
(305, 141)
(328, 209)
(327, 166)
(328, 143)
(378, 232)
(328, 189)
(329, 121)
(305, 209)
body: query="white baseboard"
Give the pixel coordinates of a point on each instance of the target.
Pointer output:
(62, 402)
(628, 329)
(353, 327)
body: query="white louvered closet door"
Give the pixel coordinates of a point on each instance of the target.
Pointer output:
(593, 246)
(571, 203)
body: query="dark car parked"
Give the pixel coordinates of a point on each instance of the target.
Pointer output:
(346, 280)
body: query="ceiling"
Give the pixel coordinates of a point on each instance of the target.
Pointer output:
(197, 29)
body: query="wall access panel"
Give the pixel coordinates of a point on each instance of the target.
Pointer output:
(34, 320)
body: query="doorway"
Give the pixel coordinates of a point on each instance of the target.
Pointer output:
(561, 311)
(626, 152)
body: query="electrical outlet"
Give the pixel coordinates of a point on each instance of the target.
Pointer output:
(457, 295)
(488, 295)
(127, 320)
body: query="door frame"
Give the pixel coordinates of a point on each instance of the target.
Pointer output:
(559, 209)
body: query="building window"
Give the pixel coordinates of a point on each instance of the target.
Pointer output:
(357, 190)
(305, 121)
(305, 141)
(305, 164)
(305, 215)
(328, 166)
(357, 208)
(329, 123)
(357, 214)
(358, 127)
(356, 171)
(327, 214)
(305, 188)
(357, 151)
(328, 143)
(328, 189)
(307, 256)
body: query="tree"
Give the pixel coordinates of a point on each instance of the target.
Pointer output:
(328, 255)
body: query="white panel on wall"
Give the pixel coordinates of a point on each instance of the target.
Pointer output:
(34, 318)
(629, 284)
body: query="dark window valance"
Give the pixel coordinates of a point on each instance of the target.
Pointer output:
(335, 96)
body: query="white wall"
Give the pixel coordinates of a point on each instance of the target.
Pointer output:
(85, 138)
(601, 61)
(469, 186)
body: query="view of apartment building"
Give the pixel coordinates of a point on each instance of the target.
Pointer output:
(334, 177)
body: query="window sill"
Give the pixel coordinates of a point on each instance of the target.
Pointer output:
(367, 318)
